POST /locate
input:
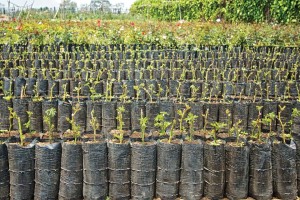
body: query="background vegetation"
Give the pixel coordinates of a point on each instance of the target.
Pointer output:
(280, 11)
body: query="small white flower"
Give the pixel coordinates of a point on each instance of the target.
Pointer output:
(164, 37)
(122, 28)
(218, 20)
(40, 23)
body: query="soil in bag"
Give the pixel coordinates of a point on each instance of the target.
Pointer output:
(119, 170)
(64, 112)
(214, 170)
(96, 107)
(46, 105)
(168, 169)
(237, 170)
(20, 106)
(109, 114)
(4, 172)
(95, 175)
(191, 176)
(4, 115)
(143, 170)
(284, 170)
(21, 170)
(80, 117)
(137, 109)
(260, 171)
(47, 170)
(240, 112)
(36, 119)
(152, 110)
(71, 175)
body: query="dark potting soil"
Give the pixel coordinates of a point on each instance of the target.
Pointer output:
(137, 137)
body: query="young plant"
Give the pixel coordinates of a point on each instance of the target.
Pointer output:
(65, 95)
(172, 130)
(217, 126)
(8, 94)
(28, 123)
(120, 136)
(150, 92)
(143, 124)
(178, 92)
(94, 123)
(194, 91)
(205, 116)
(138, 89)
(124, 96)
(267, 120)
(182, 114)
(74, 125)
(92, 86)
(161, 123)
(229, 122)
(108, 91)
(77, 90)
(160, 90)
(236, 130)
(256, 124)
(268, 91)
(190, 119)
(23, 92)
(48, 119)
(282, 125)
(15, 116)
